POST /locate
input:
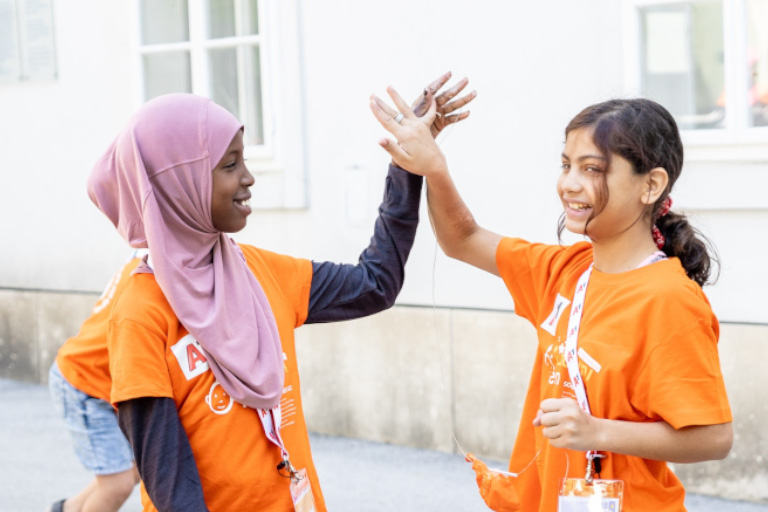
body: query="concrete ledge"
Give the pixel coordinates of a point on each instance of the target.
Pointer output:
(33, 325)
(413, 376)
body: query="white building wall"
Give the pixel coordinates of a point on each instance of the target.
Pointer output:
(534, 66)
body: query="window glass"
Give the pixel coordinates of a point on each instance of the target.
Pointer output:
(10, 63)
(757, 61)
(165, 21)
(253, 116)
(27, 46)
(223, 79)
(682, 64)
(231, 69)
(250, 17)
(221, 18)
(165, 73)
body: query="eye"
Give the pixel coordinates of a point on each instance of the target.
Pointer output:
(592, 168)
(231, 165)
(565, 167)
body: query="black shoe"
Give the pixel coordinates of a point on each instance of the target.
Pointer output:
(58, 506)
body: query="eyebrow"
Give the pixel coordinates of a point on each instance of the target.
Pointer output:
(586, 157)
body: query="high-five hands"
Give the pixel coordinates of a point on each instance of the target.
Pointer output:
(445, 106)
(415, 149)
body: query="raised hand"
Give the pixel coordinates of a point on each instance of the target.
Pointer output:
(444, 104)
(415, 149)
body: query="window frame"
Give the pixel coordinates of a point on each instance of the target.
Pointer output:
(737, 135)
(278, 165)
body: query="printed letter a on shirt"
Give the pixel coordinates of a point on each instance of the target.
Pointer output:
(190, 356)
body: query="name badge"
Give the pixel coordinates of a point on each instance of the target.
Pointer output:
(576, 495)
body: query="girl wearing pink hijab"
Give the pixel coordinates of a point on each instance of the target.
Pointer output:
(200, 340)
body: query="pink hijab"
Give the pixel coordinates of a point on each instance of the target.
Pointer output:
(154, 184)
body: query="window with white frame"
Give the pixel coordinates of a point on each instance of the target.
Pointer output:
(229, 50)
(27, 49)
(705, 60)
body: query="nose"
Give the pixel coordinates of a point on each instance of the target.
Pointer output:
(570, 181)
(247, 180)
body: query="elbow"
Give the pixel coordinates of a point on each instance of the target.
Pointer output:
(704, 443)
(452, 251)
(388, 300)
(717, 444)
(724, 442)
(459, 247)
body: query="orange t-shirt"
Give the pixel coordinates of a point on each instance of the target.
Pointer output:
(647, 352)
(83, 359)
(152, 355)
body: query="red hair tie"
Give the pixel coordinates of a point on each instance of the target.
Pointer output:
(657, 236)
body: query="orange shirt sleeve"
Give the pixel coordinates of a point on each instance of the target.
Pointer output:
(680, 381)
(292, 275)
(137, 340)
(529, 270)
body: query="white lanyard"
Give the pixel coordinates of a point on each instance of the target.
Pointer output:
(270, 420)
(572, 358)
(572, 339)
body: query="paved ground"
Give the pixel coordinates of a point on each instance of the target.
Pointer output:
(38, 466)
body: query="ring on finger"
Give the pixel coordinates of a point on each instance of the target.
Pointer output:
(399, 117)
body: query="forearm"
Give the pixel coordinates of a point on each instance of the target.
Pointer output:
(344, 291)
(458, 234)
(660, 441)
(163, 454)
(450, 216)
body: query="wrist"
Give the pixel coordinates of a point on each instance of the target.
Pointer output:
(601, 435)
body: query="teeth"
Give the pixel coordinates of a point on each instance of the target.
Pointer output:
(245, 202)
(578, 206)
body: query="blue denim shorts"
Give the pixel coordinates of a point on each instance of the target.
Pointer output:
(99, 443)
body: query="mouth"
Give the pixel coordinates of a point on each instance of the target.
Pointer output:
(577, 210)
(579, 207)
(243, 205)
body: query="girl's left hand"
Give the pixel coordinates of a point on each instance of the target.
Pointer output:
(566, 425)
(415, 149)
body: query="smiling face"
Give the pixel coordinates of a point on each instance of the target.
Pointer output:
(600, 200)
(230, 195)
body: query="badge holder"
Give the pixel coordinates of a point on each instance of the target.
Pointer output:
(301, 491)
(590, 494)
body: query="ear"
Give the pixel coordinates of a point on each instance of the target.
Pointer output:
(656, 182)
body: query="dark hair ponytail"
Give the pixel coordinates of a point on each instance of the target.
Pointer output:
(685, 242)
(646, 135)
